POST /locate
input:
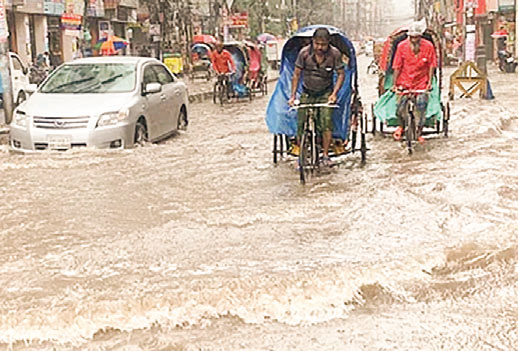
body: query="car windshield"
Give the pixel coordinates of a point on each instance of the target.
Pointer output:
(91, 78)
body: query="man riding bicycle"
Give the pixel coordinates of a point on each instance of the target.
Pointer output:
(223, 63)
(318, 61)
(414, 64)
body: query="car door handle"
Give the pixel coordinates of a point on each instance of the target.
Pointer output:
(162, 97)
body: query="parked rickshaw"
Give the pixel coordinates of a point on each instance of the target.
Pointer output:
(384, 110)
(200, 61)
(348, 119)
(174, 62)
(373, 66)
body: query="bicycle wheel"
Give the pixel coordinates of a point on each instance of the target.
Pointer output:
(410, 131)
(215, 93)
(222, 94)
(304, 155)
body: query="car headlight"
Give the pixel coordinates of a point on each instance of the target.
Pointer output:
(21, 119)
(112, 118)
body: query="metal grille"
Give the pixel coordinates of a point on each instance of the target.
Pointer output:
(61, 122)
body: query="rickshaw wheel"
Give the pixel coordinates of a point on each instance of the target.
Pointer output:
(363, 147)
(275, 136)
(373, 120)
(446, 120)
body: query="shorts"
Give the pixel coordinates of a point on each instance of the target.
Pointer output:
(324, 117)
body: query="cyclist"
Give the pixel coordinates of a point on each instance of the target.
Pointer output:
(223, 63)
(318, 61)
(414, 65)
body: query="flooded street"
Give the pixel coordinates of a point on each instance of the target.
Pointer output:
(202, 243)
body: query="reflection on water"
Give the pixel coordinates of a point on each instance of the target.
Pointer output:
(201, 243)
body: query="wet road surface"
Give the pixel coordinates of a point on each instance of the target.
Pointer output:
(202, 243)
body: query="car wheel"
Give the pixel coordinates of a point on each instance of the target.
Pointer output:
(182, 120)
(140, 133)
(21, 98)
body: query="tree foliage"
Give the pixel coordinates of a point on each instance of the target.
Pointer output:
(271, 16)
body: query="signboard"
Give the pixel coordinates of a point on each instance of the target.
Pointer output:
(239, 20)
(53, 7)
(470, 46)
(154, 29)
(71, 22)
(4, 33)
(492, 5)
(95, 8)
(471, 4)
(104, 29)
(505, 5)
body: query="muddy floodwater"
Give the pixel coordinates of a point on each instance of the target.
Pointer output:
(202, 243)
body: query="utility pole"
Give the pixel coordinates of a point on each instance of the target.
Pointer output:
(516, 28)
(5, 73)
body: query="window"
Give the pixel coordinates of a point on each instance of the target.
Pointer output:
(17, 65)
(150, 75)
(164, 77)
(91, 78)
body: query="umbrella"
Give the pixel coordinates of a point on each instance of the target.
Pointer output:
(204, 38)
(263, 38)
(502, 33)
(109, 46)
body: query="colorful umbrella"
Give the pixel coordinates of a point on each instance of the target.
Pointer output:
(109, 46)
(264, 37)
(204, 39)
(502, 33)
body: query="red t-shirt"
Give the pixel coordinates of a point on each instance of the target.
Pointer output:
(414, 71)
(222, 62)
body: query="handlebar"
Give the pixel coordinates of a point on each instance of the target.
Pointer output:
(412, 91)
(299, 106)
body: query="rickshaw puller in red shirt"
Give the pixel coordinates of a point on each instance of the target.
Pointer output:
(414, 66)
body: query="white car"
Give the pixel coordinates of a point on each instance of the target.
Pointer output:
(102, 102)
(19, 79)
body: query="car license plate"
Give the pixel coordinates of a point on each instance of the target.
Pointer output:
(61, 142)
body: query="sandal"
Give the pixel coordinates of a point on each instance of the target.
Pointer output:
(397, 134)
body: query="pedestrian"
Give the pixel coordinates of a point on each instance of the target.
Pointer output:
(414, 65)
(38, 71)
(317, 62)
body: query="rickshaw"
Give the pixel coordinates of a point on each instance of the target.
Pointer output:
(384, 110)
(238, 88)
(256, 76)
(373, 67)
(348, 118)
(200, 59)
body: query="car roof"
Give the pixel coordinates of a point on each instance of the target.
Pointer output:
(114, 59)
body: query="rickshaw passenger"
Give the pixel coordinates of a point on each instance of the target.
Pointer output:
(414, 64)
(318, 61)
(223, 63)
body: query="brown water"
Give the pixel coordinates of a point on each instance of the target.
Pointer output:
(201, 243)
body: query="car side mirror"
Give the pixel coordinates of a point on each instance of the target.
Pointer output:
(25, 71)
(31, 88)
(152, 88)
